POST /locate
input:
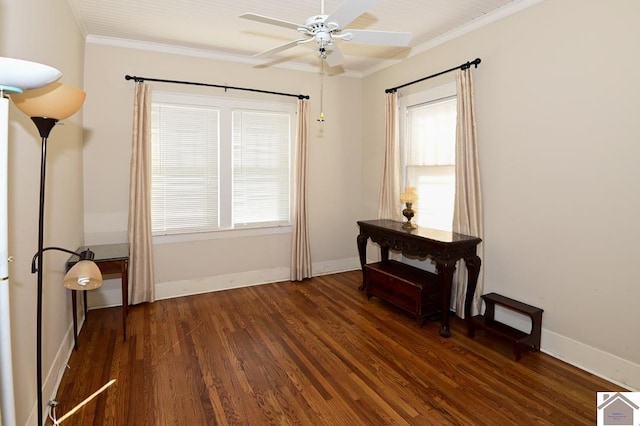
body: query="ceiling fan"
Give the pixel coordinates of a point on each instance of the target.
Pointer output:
(325, 29)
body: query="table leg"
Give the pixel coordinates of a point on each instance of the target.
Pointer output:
(125, 298)
(473, 270)
(74, 304)
(362, 252)
(445, 275)
(85, 306)
(384, 253)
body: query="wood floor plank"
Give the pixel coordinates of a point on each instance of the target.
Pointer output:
(310, 353)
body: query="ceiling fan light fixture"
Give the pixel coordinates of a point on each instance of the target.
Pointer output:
(323, 39)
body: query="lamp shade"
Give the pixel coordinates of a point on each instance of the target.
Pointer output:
(409, 195)
(22, 75)
(84, 275)
(57, 101)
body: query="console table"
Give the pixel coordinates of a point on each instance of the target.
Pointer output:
(111, 259)
(443, 247)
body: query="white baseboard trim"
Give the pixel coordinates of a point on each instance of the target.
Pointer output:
(595, 361)
(51, 381)
(335, 266)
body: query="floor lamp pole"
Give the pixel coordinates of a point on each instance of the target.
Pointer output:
(44, 126)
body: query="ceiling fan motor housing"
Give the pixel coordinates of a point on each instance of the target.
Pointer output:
(316, 28)
(315, 21)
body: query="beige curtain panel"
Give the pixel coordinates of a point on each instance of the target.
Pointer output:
(300, 250)
(389, 205)
(142, 283)
(467, 210)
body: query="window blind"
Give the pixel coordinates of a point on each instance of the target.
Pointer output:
(261, 168)
(185, 168)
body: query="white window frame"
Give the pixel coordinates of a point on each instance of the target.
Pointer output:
(435, 94)
(226, 106)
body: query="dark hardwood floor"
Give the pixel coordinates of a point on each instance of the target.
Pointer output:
(311, 353)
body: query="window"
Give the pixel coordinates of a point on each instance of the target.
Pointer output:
(261, 169)
(428, 157)
(219, 164)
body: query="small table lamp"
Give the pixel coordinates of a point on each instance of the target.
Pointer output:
(409, 197)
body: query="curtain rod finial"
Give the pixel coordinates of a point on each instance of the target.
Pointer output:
(134, 78)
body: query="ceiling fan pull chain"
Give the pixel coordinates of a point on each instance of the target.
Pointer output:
(321, 118)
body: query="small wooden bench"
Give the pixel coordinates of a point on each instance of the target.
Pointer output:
(517, 337)
(407, 287)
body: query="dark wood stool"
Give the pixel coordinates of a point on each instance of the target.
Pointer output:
(517, 337)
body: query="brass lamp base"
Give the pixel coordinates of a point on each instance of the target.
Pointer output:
(408, 212)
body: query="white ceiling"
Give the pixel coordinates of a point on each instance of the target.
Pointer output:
(213, 27)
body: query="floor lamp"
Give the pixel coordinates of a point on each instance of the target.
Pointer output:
(46, 106)
(16, 76)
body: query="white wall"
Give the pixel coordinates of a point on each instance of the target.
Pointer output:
(557, 104)
(42, 31)
(197, 266)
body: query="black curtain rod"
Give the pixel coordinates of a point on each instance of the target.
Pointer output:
(141, 79)
(464, 66)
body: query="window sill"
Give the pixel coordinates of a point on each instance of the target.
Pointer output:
(219, 235)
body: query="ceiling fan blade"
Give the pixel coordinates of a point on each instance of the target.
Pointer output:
(385, 38)
(348, 11)
(280, 48)
(334, 56)
(272, 21)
